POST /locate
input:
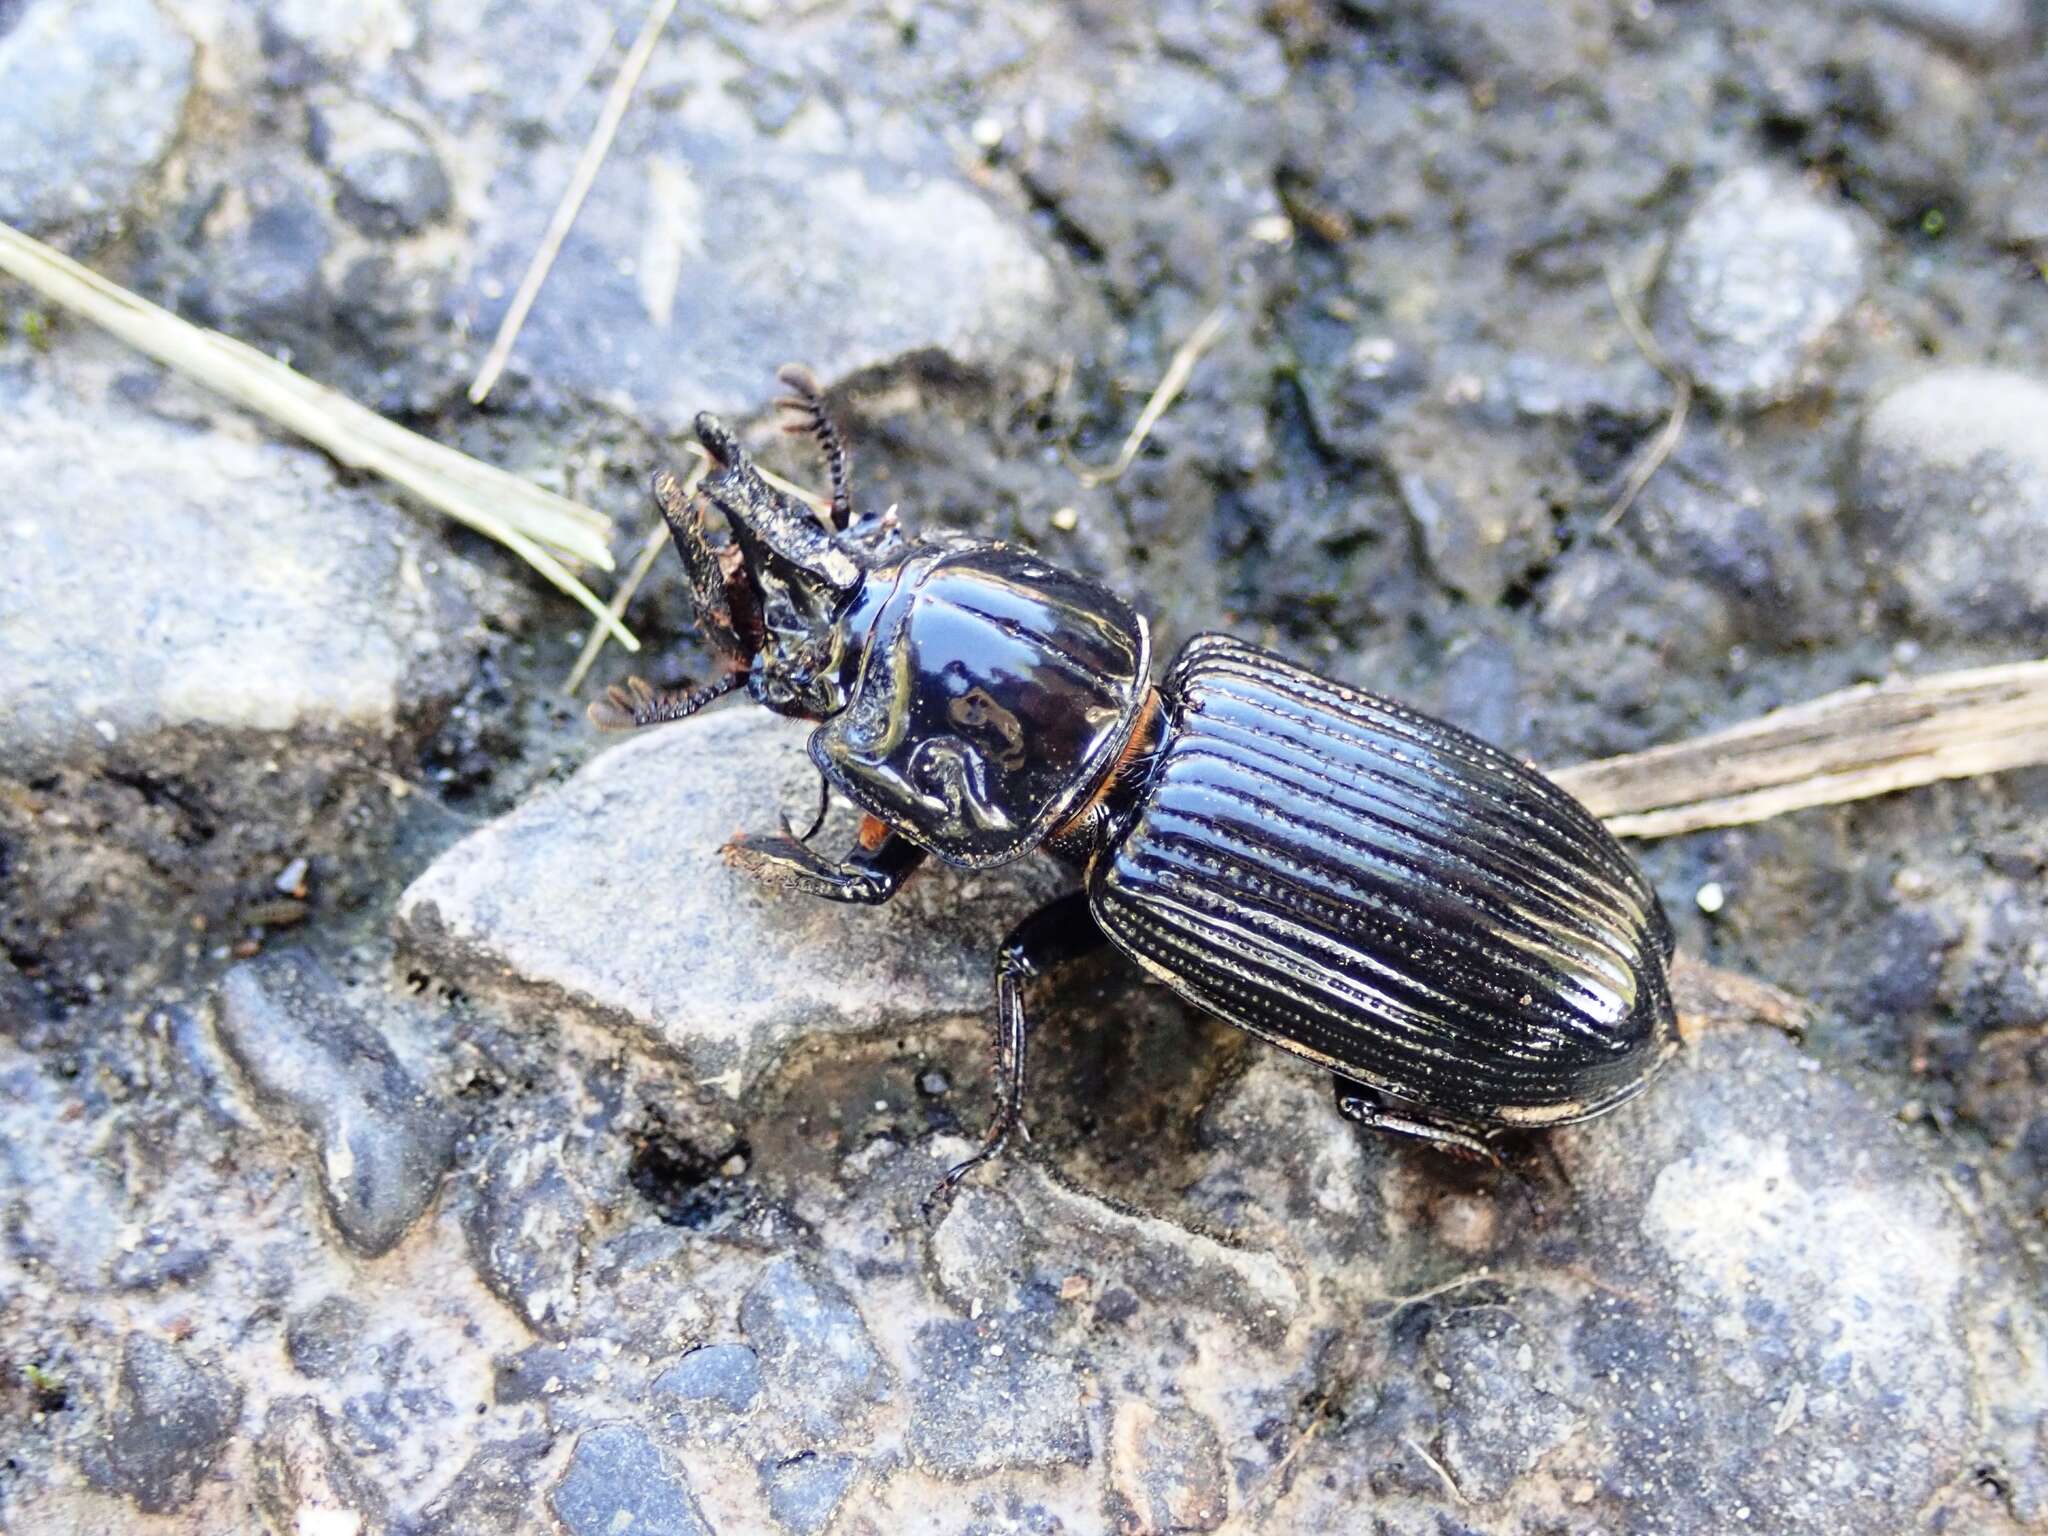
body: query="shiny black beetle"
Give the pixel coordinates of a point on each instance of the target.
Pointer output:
(1459, 941)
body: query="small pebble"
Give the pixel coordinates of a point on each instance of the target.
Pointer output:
(1711, 898)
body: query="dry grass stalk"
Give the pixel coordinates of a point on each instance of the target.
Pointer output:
(542, 528)
(587, 166)
(1660, 448)
(650, 550)
(1171, 383)
(1864, 741)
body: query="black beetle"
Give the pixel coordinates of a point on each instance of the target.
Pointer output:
(1460, 942)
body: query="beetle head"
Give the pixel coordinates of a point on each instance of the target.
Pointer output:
(770, 583)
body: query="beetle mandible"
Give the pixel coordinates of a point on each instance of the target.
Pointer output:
(1461, 944)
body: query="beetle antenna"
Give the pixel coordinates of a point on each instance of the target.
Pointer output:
(634, 704)
(805, 404)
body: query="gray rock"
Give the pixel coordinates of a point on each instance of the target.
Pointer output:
(493, 1493)
(303, 1480)
(271, 242)
(984, 1399)
(1905, 125)
(169, 1422)
(528, 1225)
(339, 38)
(1529, 45)
(1499, 1420)
(1983, 28)
(718, 1376)
(1951, 496)
(1166, 1471)
(381, 1142)
(610, 893)
(388, 180)
(1760, 274)
(1478, 525)
(805, 1491)
(161, 1259)
(267, 598)
(618, 1481)
(544, 1371)
(321, 1340)
(1809, 1277)
(822, 1366)
(648, 300)
(1007, 1250)
(91, 96)
(641, 1291)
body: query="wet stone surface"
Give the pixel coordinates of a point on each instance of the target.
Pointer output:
(414, 1126)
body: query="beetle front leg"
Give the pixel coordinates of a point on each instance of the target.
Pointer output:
(867, 877)
(723, 600)
(1061, 930)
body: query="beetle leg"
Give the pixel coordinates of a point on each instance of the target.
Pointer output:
(1061, 930)
(635, 703)
(1357, 1102)
(867, 877)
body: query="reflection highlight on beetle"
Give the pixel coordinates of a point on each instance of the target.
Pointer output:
(1460, 942)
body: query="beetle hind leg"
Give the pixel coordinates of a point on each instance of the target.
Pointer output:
(1367, 1107)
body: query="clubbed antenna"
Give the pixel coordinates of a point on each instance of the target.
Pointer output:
(805, 404)
(636, 703)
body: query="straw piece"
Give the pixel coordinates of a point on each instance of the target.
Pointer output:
(541, 527)
(1660, 448)
(1864, 741)
(1171, 383)
(587, 166)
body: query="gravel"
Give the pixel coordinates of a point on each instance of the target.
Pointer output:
(380, 1143)
(92, 93)
(1759, 275)
(1951, 487)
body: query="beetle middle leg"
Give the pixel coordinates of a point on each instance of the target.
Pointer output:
(1061, 930)
(1357, 1102)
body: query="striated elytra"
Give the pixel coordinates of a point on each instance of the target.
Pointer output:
(1457, 940)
